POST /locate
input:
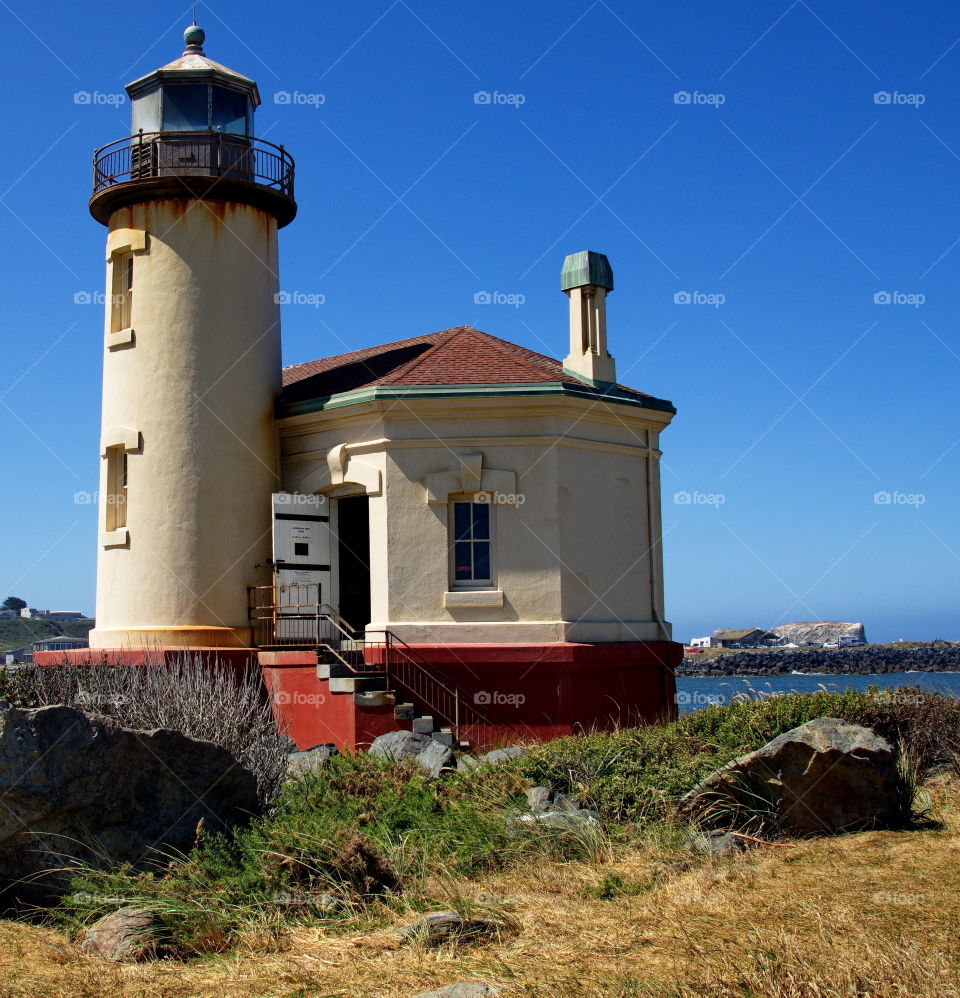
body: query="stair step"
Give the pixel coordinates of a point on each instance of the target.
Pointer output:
(404, 712)
(358, 684)
(444, 736)
(377, 698)
(423, 725)
(336, 669)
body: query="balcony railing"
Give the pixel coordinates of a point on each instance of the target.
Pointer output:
(182, 154)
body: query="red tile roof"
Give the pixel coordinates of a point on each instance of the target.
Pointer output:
(459, 356)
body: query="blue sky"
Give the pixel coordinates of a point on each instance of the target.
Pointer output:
(776, 189)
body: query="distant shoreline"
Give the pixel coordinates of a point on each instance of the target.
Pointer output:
(863, 660)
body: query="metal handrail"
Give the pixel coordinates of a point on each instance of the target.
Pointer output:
(148, 155)
(294, 621)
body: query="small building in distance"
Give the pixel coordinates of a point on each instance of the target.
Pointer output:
(702, 643)
(59, 642)
(821, 632)
(744, 637)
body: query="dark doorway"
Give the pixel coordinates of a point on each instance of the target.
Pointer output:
(353, 531)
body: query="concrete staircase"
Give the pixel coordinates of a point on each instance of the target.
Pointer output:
(343, 667)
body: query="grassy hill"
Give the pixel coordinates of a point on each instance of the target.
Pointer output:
(20, 633)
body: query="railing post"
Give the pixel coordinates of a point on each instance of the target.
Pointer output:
(456, 715)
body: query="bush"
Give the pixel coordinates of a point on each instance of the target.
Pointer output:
(200, 699)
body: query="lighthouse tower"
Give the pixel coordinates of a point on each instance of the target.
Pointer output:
(192, 202)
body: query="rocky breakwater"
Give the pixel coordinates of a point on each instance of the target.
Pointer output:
(866, 660)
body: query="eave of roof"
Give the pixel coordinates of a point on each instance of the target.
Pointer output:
(543, 389)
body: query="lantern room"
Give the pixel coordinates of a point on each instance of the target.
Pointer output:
(193, 94)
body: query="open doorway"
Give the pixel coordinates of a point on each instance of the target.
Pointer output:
(353, 544)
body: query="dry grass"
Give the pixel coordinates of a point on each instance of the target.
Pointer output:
(872, 915)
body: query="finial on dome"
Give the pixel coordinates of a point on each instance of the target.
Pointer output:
(194, 37)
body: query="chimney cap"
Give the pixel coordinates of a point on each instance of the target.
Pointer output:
(584, 269)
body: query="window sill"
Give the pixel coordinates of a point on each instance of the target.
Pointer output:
(119, 338)
(115, 538)
(467, 598)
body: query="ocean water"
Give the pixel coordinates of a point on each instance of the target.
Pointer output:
(696, 692)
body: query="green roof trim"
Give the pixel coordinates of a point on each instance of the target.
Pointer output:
(549, 389)
(586, 268)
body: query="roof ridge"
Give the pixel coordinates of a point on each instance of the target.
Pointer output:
(447, 337)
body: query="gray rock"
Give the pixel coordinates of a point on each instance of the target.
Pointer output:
(312, 759)
(467, 989)
(431, 755)
(436, 757)
(505, 754)
(467, 763)
(125, 934)
(720, 843)
(541, 799)
(399, 745)
(448, 926)
(74, 786)
(824, 777)
(558, 822)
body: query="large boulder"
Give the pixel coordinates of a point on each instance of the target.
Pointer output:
(824, 777)
(449, 927)
(75, 786)
(429, 754)
(126, 934)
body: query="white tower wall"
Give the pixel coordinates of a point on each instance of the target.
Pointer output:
(188, 396)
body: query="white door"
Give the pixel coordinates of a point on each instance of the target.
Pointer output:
(301, 559)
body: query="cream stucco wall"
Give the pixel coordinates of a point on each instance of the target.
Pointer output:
(190, 393)
(577, 556)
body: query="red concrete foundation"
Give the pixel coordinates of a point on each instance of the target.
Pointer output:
(525, 692)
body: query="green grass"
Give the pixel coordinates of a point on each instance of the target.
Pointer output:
(355, 839)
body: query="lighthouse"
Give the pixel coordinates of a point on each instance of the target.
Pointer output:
(192, 202)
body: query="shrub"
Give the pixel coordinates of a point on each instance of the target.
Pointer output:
(203, 700)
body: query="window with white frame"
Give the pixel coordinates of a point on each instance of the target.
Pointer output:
(471, 542)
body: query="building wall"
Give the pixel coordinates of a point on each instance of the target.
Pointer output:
(570, 485)
(191, 397)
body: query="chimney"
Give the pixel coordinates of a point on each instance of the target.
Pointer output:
(585, 279)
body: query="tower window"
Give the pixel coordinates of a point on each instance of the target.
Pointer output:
(116, 499)
(471, 543)
(122, 299)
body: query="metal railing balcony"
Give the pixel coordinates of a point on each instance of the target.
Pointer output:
(204, 164)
